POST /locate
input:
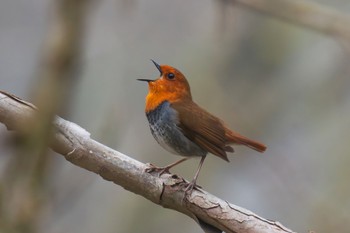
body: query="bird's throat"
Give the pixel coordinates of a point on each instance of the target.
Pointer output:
(156, 98)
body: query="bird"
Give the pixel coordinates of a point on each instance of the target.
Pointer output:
(184, 128)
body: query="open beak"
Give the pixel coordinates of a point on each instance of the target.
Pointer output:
(150, 80)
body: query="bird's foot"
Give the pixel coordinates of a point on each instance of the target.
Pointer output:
(190, 187)
(158, 170)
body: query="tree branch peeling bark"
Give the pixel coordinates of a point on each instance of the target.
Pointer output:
(75, 144)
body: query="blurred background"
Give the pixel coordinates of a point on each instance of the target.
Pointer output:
(273, 81)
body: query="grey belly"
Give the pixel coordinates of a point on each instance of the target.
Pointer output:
(163, 124)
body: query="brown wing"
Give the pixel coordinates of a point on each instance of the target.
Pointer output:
(201, 127)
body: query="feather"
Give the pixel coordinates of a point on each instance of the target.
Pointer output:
(201, 127)
(208, 131)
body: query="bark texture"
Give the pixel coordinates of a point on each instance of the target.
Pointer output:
(75, 144)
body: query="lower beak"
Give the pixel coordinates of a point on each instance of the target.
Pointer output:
(145, 80)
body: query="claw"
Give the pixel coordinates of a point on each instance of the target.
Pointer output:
(159, 170)
(190, 187)
(162, 170)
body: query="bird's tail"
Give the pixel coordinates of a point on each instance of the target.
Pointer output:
(236, 138)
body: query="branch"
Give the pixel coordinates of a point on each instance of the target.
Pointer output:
(306, 13)
(75, 144)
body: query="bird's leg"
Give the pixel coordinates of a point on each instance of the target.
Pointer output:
(192, 184)
(162, 170)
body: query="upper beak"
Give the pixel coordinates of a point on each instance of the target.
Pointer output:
(158, 67)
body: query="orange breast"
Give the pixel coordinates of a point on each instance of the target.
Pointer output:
(160, 91)
(153, 100)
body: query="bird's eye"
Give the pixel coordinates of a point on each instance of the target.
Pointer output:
(171, 76)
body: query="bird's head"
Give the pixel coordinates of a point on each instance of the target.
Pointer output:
(170, 86)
